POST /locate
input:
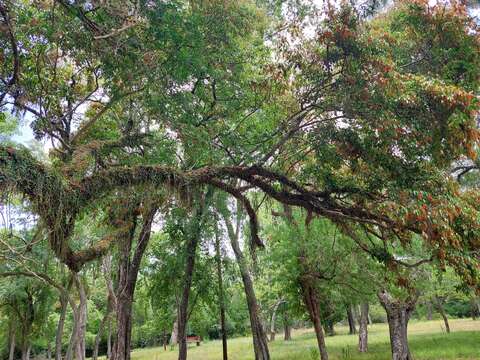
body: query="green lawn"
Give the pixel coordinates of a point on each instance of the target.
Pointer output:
(427, 340)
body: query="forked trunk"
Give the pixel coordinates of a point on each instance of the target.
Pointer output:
(398, 315)
(260, 344)
(310, 299)
(128, 268)
(441, 310)
(363, 328)
(351, 321)
(272, 321)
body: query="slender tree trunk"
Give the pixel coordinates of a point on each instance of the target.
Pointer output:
(193, 238)
(398, 315)
(164, 340)
(26, 350)
(187, 284)
(272, 321)
(49, 351)
(111, 301)
(174, 337)
(109, 340)
(11, 352)
(287, 330)
(127, 276)
(363, 328)
(221, 296)
(475, 308)
(73, 337)
(260, 345)
(60, 327)
(441, 310)
(428, 305)
(351, 321)
(80, 348)
(310, 299)
(98, 337)
(329, 330)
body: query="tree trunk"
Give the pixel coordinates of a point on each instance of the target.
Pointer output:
(98, 337)
(329, 330)
(128, 268)
(187, 284)
(260, 345)
(287, 330)
(428, 305)
(80, 348)
(11, 352)
(73, 337)
(475, 308)
(398, 314)
(26, 351)
(351, 321)
(109, 340)
(363, 328)
(60, 327)
(310, 299)
(49, 351)
(193, 238)
(272, 321)
(174, 337)
(221, 296)
(441, 310)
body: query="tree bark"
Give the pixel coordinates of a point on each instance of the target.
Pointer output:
(174, 337)
(329, 330)
(98, 337)
(428, 305)
(272, 321)
(60, 327)
(260, 345)
(26, 351)
(49, 351)
(128, 268)
(111, 300)
(310, 299)
(363, 328)
(398, 315)
(187, 284)
(287, 329)
(351, 321)
(80, 348)
(441, 310)
(11, 352)
(193, 238)
(221, 296)
(109, 339)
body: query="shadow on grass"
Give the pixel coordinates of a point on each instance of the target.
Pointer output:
(462, 345)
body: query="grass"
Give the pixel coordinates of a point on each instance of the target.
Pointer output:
(428, 341)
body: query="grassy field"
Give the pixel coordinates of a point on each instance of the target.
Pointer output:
(427, 340)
